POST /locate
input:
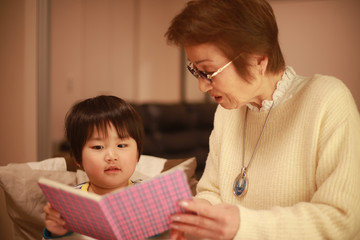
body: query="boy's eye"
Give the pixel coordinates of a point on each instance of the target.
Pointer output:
(122, 145)
(98, 147)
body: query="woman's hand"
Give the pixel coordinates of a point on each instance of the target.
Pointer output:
(220, 221)
(53, 221)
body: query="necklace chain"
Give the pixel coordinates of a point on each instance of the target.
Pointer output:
(258, 141)
(241, 181)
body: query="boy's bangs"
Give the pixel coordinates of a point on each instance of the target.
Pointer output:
(103, 126)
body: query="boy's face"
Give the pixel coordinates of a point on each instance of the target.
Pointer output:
(109, 161)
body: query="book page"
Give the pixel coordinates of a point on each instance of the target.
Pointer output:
(136, 212)
(80, 210)
(144, 210)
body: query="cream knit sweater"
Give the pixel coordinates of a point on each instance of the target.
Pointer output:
(304, 181)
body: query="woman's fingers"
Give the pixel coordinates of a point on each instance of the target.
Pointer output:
(197, 221)
(197, 225)
(211, 221)
(199, 206)
(177, 235)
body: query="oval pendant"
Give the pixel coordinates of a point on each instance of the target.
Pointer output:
(240, 184)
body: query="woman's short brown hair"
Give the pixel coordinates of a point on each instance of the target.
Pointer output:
(237, 27)
(97, 113)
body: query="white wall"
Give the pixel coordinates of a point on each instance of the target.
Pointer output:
(17, 81)
(118, 47)
(111, 47)
(18, 116)
(322, 36)
(92, 52)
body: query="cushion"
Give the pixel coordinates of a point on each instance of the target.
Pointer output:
(25, 201)
(150, 166)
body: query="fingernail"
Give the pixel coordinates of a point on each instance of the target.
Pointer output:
(173, 226)
(175, 218)
(183, 203)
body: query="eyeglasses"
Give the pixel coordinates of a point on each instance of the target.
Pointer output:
(208, 77)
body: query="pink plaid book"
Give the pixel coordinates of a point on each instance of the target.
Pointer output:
(136, 212)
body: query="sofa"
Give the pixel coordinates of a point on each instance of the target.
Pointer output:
(176, 137)
(178, 130)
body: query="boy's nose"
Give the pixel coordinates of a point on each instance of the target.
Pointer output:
(111, 155)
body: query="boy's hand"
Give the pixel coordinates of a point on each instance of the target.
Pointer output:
(53, 221)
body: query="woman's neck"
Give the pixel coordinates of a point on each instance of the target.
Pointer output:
(269, 86)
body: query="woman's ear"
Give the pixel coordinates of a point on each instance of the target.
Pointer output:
(263, 64)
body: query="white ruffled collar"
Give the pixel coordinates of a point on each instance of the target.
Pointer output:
(282, 87)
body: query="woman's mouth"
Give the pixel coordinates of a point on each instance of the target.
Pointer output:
(218, 99)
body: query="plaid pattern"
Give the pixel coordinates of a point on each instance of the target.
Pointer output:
(135, 212)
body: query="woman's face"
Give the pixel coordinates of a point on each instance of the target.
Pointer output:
(227, 88)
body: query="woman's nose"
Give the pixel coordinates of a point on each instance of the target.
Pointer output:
(204, 85)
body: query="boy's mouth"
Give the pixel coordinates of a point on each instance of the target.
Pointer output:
(112, 169)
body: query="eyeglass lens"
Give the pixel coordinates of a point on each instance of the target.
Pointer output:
(197, 73)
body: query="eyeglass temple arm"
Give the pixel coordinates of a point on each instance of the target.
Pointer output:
(221, 69)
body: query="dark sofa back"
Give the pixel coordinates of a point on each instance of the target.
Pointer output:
(177, 130)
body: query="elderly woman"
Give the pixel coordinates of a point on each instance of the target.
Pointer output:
(284, 156)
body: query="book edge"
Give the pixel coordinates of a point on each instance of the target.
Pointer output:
(70, 189)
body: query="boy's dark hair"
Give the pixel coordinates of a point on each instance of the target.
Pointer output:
(97, 113)
(237, 27)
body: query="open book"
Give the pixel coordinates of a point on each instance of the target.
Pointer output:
(135, 212)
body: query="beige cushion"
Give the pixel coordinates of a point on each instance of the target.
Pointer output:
(150, 166)
(25, 201)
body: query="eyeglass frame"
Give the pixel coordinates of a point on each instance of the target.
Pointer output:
(208, 77)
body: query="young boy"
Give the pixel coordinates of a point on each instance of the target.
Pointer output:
(106, 136)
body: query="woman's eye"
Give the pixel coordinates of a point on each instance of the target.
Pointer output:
(208, 73)
(98, 147)
(205, 74)
(122, 145)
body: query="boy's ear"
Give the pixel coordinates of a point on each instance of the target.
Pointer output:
(71, 164)
(78, 164)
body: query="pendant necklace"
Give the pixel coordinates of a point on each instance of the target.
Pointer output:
(241, 181)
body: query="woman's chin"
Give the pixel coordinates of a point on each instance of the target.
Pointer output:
(229, 106)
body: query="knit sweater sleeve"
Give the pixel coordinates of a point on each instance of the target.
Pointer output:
(208, 186)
